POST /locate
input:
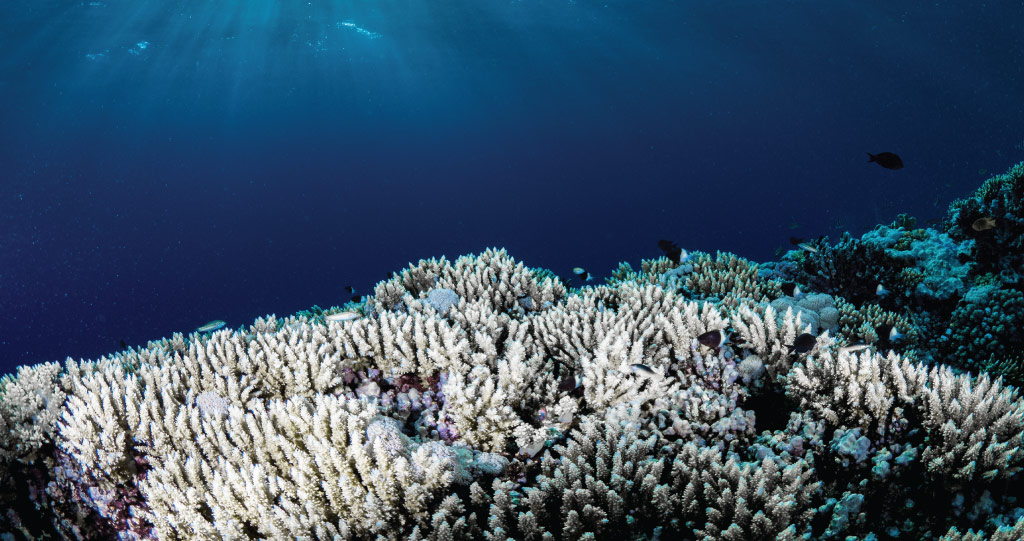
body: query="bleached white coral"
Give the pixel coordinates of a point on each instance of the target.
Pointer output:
(95, 427)
(384, 435)
(604, 480)
(287, 430)
(211, 403)
(402, 343)
(297, 467)
(738, 500)
(977, 426)
(761, 334)
(492, 276)
(864, 390)
(479, 408)
(30, 404)
(1012, 532)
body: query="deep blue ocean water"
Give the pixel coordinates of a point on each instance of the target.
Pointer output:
(166, 163)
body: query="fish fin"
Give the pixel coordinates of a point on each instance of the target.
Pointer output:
(871, 157)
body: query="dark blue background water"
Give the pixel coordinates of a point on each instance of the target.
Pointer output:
(168, 163)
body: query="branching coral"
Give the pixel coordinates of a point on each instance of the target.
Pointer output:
(999, 249)
(30, 404)
(974, 427)
(729, 279)
(481, 399)
(987, 331)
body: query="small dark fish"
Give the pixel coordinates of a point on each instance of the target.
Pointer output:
(796, 241)
(887, 160)
(983, 224)
(711, 339)
(672, 251)
(571, 385)
(791, 289)
(124, 345)
(583, 274)
(883, 331)
(350, 290)
(357, 298)
(803, 343)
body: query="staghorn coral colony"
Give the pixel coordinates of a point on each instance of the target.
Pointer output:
(482, 399)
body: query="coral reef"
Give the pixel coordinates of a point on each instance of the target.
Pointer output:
(482, 399)
(953, 292)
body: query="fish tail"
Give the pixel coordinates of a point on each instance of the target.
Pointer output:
(871, 157)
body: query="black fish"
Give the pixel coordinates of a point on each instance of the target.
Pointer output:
(672, 251)
(803, 343)
(572, 386)
(790, 289)
(887, 160)
(357, 298)
(124, 345)
(796, 241)
(350, 290)
(888, 333)
(711, 339)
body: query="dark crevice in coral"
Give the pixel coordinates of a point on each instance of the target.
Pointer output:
(770, 411)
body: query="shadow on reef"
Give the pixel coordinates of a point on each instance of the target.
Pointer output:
(856, 390)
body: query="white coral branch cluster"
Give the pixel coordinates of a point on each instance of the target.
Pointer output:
(476, 399)
(30, 404)
(975, 425)
(770, 336)
(739, 500)
(864, 390)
